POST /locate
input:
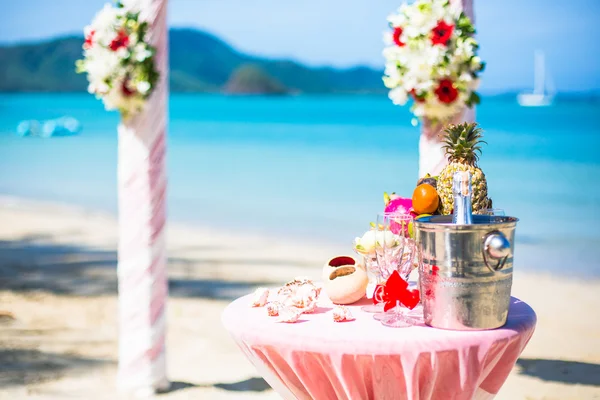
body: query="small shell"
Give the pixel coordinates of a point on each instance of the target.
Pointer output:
(342, 313)
(261, 296)
(273, 308)
(288, 315)
(309, 307)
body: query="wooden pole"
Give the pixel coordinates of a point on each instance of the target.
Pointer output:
(142, 264)
(431, 155)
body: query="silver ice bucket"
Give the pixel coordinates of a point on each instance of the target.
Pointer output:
(465, 271)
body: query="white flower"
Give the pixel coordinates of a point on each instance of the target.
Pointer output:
(143, 87)
(455, 9)
(464, 49)
(141, 53)
(476, 63)
(101, 63)
(366, 243)
(466, 77)
(104, 22)
(398, 96)
(387, 239)
(144, 7)
(397, 20)
(122, 52)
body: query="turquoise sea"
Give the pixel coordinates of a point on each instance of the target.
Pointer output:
(316, 167)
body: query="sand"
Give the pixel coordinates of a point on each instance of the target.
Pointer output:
(58, 337)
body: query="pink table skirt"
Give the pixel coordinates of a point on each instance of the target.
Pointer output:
(316, 358)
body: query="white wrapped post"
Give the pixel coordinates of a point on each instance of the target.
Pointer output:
(432, 158)
(142, 264)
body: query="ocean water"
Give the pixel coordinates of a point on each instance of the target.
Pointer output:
(315, 168)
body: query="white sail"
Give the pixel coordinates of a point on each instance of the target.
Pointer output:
(540, 96)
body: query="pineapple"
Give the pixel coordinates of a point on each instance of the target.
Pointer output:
(461, 144)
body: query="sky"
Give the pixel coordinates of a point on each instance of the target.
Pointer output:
(349, 32)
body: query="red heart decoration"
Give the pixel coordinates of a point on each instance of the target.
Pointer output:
(378, 294)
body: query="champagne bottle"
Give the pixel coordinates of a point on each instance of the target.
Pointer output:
(461, 189)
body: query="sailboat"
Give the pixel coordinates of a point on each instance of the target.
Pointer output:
(543, 92)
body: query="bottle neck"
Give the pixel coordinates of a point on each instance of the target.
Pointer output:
(461, 189)
(462, 210)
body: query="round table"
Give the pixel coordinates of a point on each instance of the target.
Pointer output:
(316, 358)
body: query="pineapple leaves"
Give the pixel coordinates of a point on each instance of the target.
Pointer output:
(461, 142)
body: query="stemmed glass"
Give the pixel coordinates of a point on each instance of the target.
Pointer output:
(395, 251)
(493, 211)
(375, 277)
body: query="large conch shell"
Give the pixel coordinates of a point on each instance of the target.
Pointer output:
(344, 280)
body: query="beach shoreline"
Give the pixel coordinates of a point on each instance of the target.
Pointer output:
(58, 293)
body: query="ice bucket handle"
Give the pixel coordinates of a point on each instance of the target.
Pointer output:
(497, 247)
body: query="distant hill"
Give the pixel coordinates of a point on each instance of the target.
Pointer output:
(200, 62)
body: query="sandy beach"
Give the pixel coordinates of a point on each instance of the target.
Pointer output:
(58, 336)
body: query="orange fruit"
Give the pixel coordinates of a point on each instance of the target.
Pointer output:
(425, 199)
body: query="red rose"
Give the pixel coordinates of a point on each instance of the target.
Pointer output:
(397, 32)
(446, 92)
(441, 33)
(121, 40)
(89, 39)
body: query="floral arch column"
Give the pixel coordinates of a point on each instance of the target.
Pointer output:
(431, 60)
(126, 61)
(432, 158)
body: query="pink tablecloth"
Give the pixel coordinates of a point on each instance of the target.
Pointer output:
(317, 358)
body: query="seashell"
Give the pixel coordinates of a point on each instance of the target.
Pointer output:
(341, 314)
(309, 307)
(345, 280)
(298, 293)
(302, 280)
(273, 308)
(261, 296)
(288, 315)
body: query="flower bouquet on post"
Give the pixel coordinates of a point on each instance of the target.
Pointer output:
(118, 59)
(431, 59)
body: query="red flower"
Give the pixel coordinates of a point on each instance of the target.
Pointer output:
(446, 92)
(125, 89)
(89, 39)
(397, 32)
(441, 33)
(418, 99)
(121, 40)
